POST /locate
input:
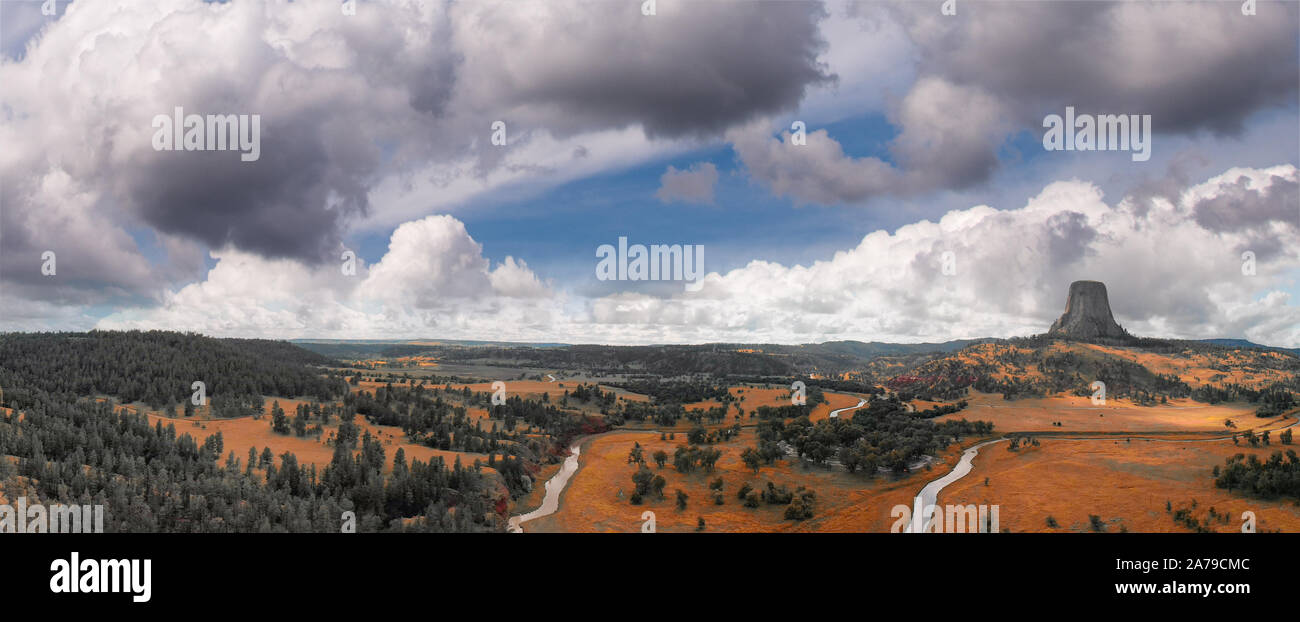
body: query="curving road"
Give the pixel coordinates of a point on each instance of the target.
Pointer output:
(1116, 437)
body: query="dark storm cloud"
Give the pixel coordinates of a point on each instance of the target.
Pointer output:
(322, 135)
(335, 97)
(346, 100)
(1192, 66)
(694, 68)
(1240, 207)
(291, 202)
(998, 68)
(91, 261)
(1177, 177)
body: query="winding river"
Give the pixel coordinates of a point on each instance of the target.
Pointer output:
(929, 496)
(836, 413)
(554, 486)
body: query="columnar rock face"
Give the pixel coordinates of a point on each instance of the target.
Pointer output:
(1087, 314)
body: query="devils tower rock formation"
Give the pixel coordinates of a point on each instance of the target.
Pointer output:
(1087, 315)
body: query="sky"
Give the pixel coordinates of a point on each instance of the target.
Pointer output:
(852, 170)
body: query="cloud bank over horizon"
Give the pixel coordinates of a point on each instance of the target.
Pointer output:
(1010, 272)
(378, 139)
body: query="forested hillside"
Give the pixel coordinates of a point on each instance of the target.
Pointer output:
(159, 368)
(659, 360)
(58, 445)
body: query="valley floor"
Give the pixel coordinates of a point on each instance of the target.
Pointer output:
(1126, 483)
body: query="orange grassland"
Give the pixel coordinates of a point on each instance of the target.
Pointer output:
(1078, 414)
(371, 386)
(238, 435)
(533, 389)
(845, 503)
(1244, 367)
(1126, 483)
(420, 361)
(750, 399)
(834, 401)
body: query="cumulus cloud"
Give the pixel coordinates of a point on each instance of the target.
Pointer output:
(692, 185)
(1192, 66)
(433, 263)
(693, 68)
(1013, 267)
(394, 103)
(84, 97)
(817, 171)
(432, 278)
(1257, 210)
(94, 261)
(372, 122)
(986, 74)
(949, 137)
(21, 21)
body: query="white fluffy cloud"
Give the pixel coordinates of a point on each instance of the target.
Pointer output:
(1013, 267)
(433, 280)
(1168, 275)
(367, 120)
(374, 121)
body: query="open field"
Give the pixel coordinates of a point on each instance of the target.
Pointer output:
(418, 361)
(1245, 367)
(845, 503)
(751, 397)
(367, 386)
(238, 435)
(1115, 461)
(535, 390)
(622, 394)
(1250, 368)
(1078, 414)
(527, 389)
(445, 369)
(1129, 479)
(1125, 483)
(834, 401)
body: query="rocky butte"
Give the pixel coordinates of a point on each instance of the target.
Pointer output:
(1087, 315)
